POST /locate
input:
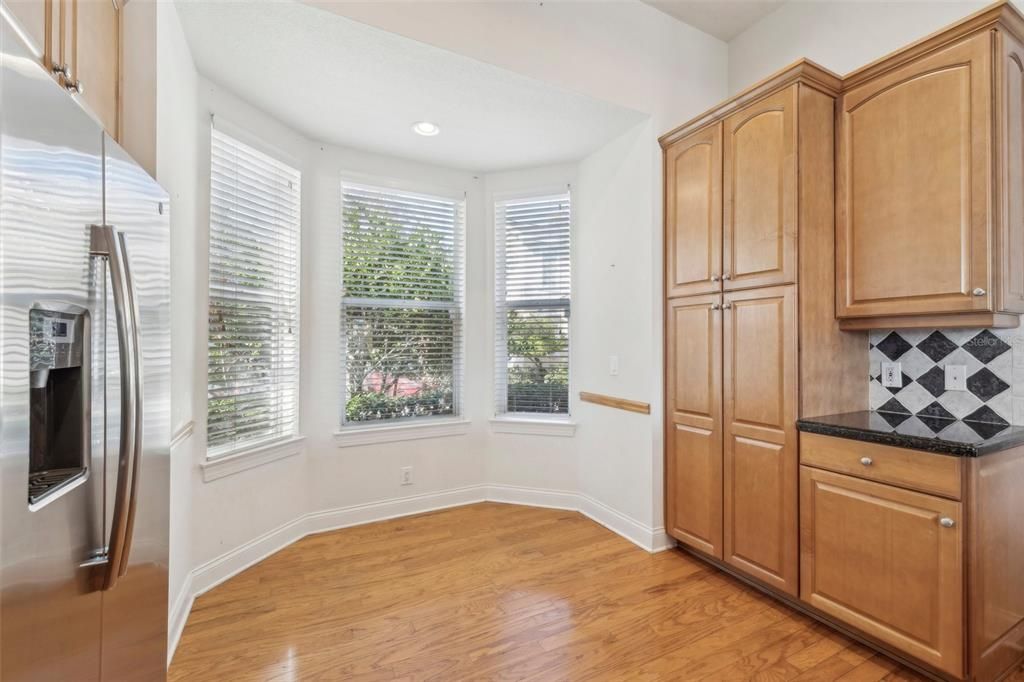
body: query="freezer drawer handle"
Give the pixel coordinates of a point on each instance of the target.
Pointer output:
(107, 242)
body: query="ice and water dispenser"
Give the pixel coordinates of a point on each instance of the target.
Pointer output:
(59, 402)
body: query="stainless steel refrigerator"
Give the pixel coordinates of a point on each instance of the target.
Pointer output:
(84, 391)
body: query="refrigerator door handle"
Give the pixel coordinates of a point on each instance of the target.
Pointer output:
(107, 242)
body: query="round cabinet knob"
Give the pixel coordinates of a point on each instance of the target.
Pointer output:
(866, 461)
(947, 522)
(726, 306)
(979, 292)
(61, 70)
(727, 276)
(715, 278)
(75, 87)
(715, 306)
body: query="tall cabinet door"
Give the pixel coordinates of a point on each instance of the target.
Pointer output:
(693, 213)
(915, 160)
(93, 32)
(693, 478)
(760, 440)
(760, 193)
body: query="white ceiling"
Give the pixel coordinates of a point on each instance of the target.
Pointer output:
(341, 82)
(724, 19)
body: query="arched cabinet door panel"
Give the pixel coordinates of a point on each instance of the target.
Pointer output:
(693, 213)
(915, 185)
(760, 193)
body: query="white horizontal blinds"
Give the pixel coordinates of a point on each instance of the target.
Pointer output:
(401, 311)
(253, 351)
(533, 286)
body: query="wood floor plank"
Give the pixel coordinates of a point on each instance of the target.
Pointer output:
(501, 592)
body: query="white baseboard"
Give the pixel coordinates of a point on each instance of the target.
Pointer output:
(356, 515)
(533, 497)
(212, 573)
(180, 608)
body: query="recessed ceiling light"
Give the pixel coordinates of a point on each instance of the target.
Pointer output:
(425, 128)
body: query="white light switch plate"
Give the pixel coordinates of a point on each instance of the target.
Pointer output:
(613, 365)
(892, 375)
(956, 377)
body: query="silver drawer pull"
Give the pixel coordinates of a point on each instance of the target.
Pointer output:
(866, 461)
(947, 522)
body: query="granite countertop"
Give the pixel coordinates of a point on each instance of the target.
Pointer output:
(942, 436)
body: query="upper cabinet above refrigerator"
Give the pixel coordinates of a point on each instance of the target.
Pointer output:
(78, 41)
(929, 208)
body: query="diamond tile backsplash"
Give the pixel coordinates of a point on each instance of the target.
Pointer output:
(995, 374)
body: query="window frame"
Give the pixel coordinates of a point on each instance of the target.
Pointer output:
(531, 423)
(228, 458)
(354, 433)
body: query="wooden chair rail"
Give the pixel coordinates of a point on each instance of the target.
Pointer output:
(617, 403)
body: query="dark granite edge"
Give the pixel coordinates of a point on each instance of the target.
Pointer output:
(934, 445)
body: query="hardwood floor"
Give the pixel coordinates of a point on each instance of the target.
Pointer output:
(502, 592)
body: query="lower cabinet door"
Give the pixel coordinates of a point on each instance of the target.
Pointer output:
(760, 442)
(693, 429)
(887, 561)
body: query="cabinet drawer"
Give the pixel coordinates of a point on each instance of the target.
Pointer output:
(913, 469)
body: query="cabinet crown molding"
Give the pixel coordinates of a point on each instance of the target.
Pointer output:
(1002, 15)
(801, 71)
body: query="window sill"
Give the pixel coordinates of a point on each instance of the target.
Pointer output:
(534, 426)
(353, 436)
(229, 463)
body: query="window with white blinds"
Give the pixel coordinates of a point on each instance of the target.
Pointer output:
(533, 288)
(401, 305)
(253, 351)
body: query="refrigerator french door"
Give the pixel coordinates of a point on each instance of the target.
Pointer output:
(84, 391)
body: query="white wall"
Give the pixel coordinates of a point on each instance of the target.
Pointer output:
(176, 161)
(618, 313)
(841, 36)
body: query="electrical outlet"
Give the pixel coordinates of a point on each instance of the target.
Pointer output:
(406, 475)
(613, 365)
(956, 377)
(892, 375)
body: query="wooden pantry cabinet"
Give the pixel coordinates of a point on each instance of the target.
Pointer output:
(79, 43)
(930, 215)
(751, 337)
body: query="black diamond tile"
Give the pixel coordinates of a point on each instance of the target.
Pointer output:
(934, 381)
(985, 384)
(986, 415)
(893, 346)
(986, 346)
(936, 346)
(893, 419)
(936, 411)
(986, 429)
(893, 405)
(896, 389)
